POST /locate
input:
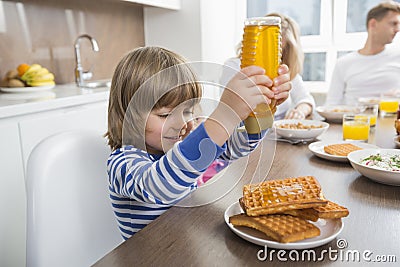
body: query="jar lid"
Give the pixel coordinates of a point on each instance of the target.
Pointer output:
(268, 20)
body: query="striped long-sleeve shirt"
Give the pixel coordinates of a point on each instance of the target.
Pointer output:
(142, 186)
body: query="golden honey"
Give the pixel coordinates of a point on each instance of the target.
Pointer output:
(261, 46)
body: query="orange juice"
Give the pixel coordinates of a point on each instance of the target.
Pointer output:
(372, 118)
(388, 105)
(356, 127)
(261, 46)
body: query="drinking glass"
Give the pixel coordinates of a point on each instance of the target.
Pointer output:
(370, 110)
(388, 104)
(356, 127)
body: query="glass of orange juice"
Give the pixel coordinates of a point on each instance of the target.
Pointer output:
(388, 104)
(370, 110)
(356, 127)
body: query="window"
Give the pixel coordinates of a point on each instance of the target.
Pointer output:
(317, 73)
(308, 13)
(342, 30)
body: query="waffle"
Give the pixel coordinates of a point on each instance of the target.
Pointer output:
(341, 149)
(328, 211)
(331, 211)
(281, 228)
(306, 214)
(277, 196)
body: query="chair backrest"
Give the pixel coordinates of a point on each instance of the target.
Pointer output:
(70, 220)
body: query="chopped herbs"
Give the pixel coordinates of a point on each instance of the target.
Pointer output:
(383, 162)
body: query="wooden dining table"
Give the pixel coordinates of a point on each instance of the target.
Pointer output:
(195, 233)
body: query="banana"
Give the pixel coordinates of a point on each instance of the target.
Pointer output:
(36, 75)
(42, 83)
(42, 77)
(39, 72)
(33, 68)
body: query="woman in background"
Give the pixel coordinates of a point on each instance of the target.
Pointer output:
(300, 103)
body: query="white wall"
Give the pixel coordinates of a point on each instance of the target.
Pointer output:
(176, 30)
(221, 28)
(202, 30)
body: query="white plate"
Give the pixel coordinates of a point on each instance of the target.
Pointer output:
(304, 134)
(329, 230)
(378, 175)
(318, 149)
(335, 113)
(26, 89)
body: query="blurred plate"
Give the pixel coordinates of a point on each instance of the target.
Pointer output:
(369, 100)
(330, 228)
(26, 89)
(318, 149)
(388, 177)
(335, 113)
(303, 134)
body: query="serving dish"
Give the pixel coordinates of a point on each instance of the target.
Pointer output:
(307, 130)
(335, 113)
(330, 229)
(383, 176)
(317, 148)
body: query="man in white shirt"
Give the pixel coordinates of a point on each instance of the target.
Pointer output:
(373, 69)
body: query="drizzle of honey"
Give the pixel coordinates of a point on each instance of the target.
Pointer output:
(279, 193)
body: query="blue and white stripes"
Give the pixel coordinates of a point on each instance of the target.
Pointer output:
(142, 186)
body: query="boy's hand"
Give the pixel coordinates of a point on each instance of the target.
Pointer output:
(282, 84)
(243, 93)
(246, 90)
(250, 86)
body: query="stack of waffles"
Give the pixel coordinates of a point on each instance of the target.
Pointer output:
(282, 209)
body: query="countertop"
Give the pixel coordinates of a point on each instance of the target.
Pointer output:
(61, 96)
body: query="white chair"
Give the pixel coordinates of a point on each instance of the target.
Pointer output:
(70, 220)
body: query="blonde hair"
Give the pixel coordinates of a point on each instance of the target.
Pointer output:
(146, 78)
(292, 52)
(379, 12)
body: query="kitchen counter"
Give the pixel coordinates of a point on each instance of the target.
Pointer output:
(61, 96)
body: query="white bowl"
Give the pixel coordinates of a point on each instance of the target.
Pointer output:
(335, 113)
(305, 134)
(378, 175)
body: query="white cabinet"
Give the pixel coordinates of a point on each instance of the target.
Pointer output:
(168, 4)
(19, 136)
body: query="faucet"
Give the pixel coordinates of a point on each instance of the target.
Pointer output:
(80, 74)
